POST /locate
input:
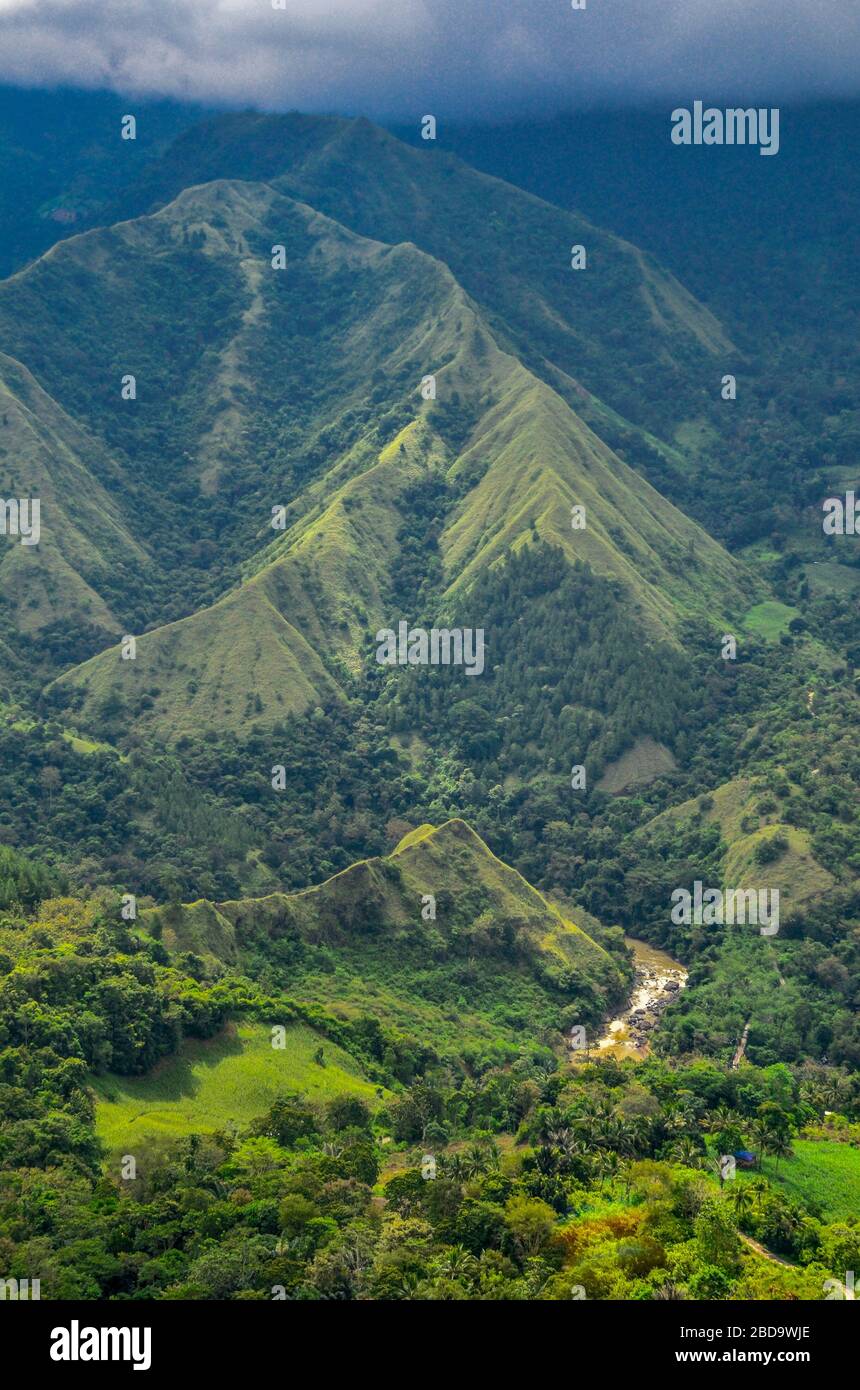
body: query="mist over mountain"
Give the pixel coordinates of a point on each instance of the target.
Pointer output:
(466, 59)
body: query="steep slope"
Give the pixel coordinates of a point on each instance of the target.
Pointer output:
(621, 325)
(216, 669)
(748, 817)
(543, 461)
(85, 553)
(439, 921)
(515, 456)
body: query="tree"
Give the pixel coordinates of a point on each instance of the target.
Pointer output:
(742, 1200)
(531, 1224)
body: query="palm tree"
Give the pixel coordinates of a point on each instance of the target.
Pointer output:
(685, 1151)
(680, 1118)
(547, 1160)
(288, 1245)
(456, 1263)
(606, 1164)
(761, 1137)
(833, 1093)
(592, 1113)
(668, 1292)
(780, 1147)
(721, 1118)
(758, 1189)
(714, 1163)
(788, 1223)
(481, 1158)
(562, 1139)
(742, 1201)
(406, 1282)
(455, 1167)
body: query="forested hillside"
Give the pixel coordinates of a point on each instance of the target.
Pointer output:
(310, 959)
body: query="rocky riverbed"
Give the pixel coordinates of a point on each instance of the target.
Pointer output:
(657, 981)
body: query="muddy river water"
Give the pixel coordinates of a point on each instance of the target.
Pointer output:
(657, 981)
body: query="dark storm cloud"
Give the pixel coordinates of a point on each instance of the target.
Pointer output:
(400, 58)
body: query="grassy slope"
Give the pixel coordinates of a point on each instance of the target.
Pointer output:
(770, 619)
(46, 454)
(206, 671)
(431, 860)
(821, 1172)
(230, 1079)
(639, 765)
(447, 981)
(543, 460)
(796, 873)
(322, 585)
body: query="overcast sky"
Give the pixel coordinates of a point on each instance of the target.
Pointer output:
(457, 58)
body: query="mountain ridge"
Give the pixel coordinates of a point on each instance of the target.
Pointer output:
(520, 436)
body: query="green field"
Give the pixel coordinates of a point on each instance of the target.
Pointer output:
(230, 1079)
(770, 619)
(821, 1172)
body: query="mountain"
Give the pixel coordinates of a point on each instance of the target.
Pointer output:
(291, 932)
(438, 925)
(298, 396)
(709, 213)
(306, 395)
(84, 568)
(622, 322)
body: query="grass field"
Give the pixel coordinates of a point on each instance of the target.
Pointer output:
(822, 1172)
(770, 619)
(231, 1078)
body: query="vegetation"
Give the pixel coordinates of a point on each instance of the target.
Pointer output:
(252, 832)
(222, 1084)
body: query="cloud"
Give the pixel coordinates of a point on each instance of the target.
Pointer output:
(455, 58)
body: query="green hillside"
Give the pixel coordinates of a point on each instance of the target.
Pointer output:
(85, 568)
(290, 382)
(226, 1081)
(221, 667)
(757, 848)
(824, 1174)
(513, 455)
(496, 961)
(509, 250)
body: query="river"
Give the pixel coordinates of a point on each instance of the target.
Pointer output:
(658, 979)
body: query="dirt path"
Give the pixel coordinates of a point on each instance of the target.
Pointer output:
(768, 1254)
(742, 1046)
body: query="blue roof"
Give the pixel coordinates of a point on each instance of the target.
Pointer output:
(743, 1153)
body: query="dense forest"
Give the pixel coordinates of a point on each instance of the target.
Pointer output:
(296, 948)
(597, 1182)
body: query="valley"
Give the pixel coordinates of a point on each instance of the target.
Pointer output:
(304, 893)
(657, 980)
